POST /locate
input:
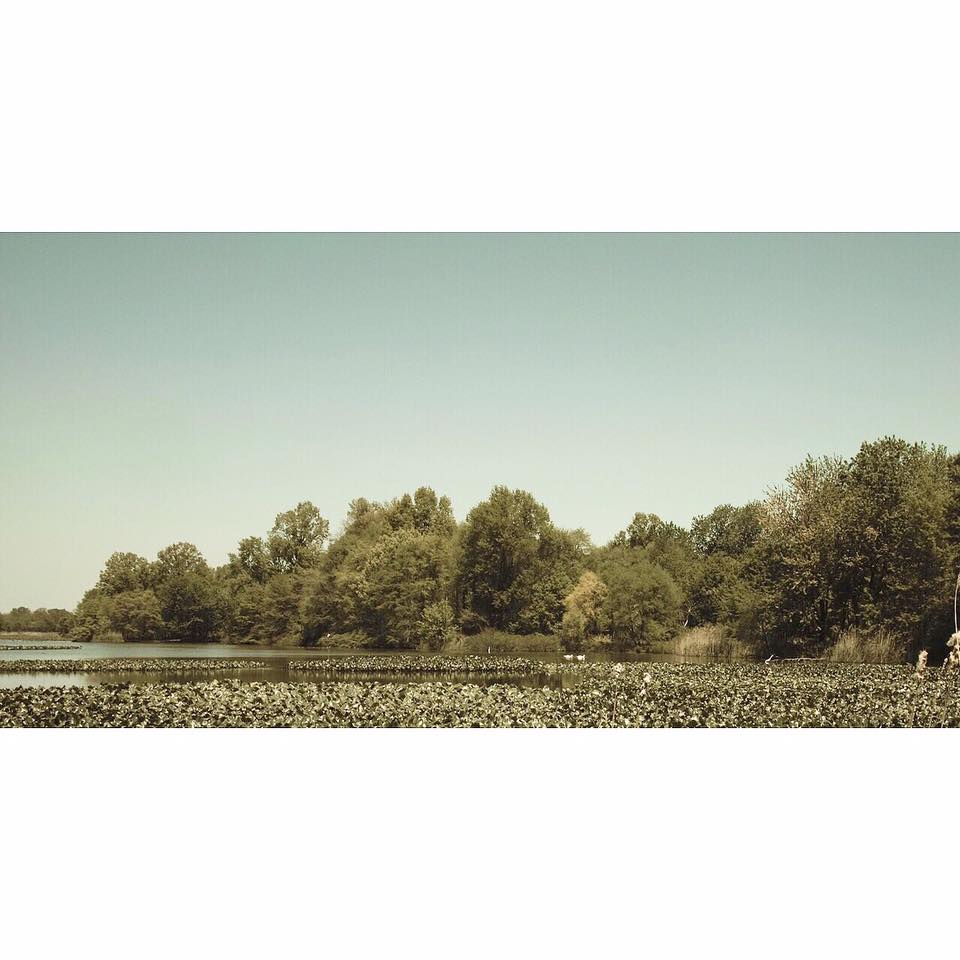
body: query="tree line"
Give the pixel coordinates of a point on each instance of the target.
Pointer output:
(41, 620)
(868, 542)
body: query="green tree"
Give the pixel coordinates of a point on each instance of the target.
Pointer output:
(124, 572)
(728, 530)
(404, 572)
(135, 614)
(191, 604)
(297, 537)
(515, 566)
(643, 602)
(437, 625)
(859, 543)
(806, 560)
(583, 610)
(253, 559)
(898, 501)
(390, 562)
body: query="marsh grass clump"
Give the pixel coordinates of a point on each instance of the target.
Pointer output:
(709, 641)
(867, 646)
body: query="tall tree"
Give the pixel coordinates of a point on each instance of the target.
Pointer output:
(297, 536)
(515, 567)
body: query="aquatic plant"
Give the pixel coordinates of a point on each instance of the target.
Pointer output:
(21, 647)
(487, 666)
(123, 664)
(810, 694)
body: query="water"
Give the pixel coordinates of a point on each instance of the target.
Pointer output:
(277, 670)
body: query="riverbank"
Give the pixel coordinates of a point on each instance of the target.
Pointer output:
(605, 695)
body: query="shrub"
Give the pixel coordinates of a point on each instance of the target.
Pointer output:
(354, 638)
(437, 625)
(472, 623)
(599, 643)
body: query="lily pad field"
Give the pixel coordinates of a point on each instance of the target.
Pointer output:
(421, 693)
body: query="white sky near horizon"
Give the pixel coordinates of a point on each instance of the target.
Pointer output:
(156, 388)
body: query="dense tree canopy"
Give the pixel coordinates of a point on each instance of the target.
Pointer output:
(390, 564)
(41, 620)
(515, 567)
(868, 542)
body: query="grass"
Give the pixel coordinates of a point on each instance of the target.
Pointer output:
(867, 646)
(707, 641)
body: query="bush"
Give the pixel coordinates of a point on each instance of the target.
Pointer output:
(109, 636)
(354, 638)
(472, 623)
(599, 643)
(437, 626)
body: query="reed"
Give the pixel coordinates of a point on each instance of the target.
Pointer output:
(708, 641)
(867, 646)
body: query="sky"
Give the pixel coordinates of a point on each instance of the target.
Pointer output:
(158, 388)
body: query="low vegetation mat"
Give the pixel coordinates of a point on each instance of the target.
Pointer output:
(607, 695)
(37, 646)
(488, 666)
(138, 665)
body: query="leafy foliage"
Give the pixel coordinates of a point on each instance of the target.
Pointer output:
(516, 567)
(643, 602)
(583, 610)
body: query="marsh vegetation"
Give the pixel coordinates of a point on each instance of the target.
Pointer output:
(603, 695)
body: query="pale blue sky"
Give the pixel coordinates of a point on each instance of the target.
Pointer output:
(189, 387)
